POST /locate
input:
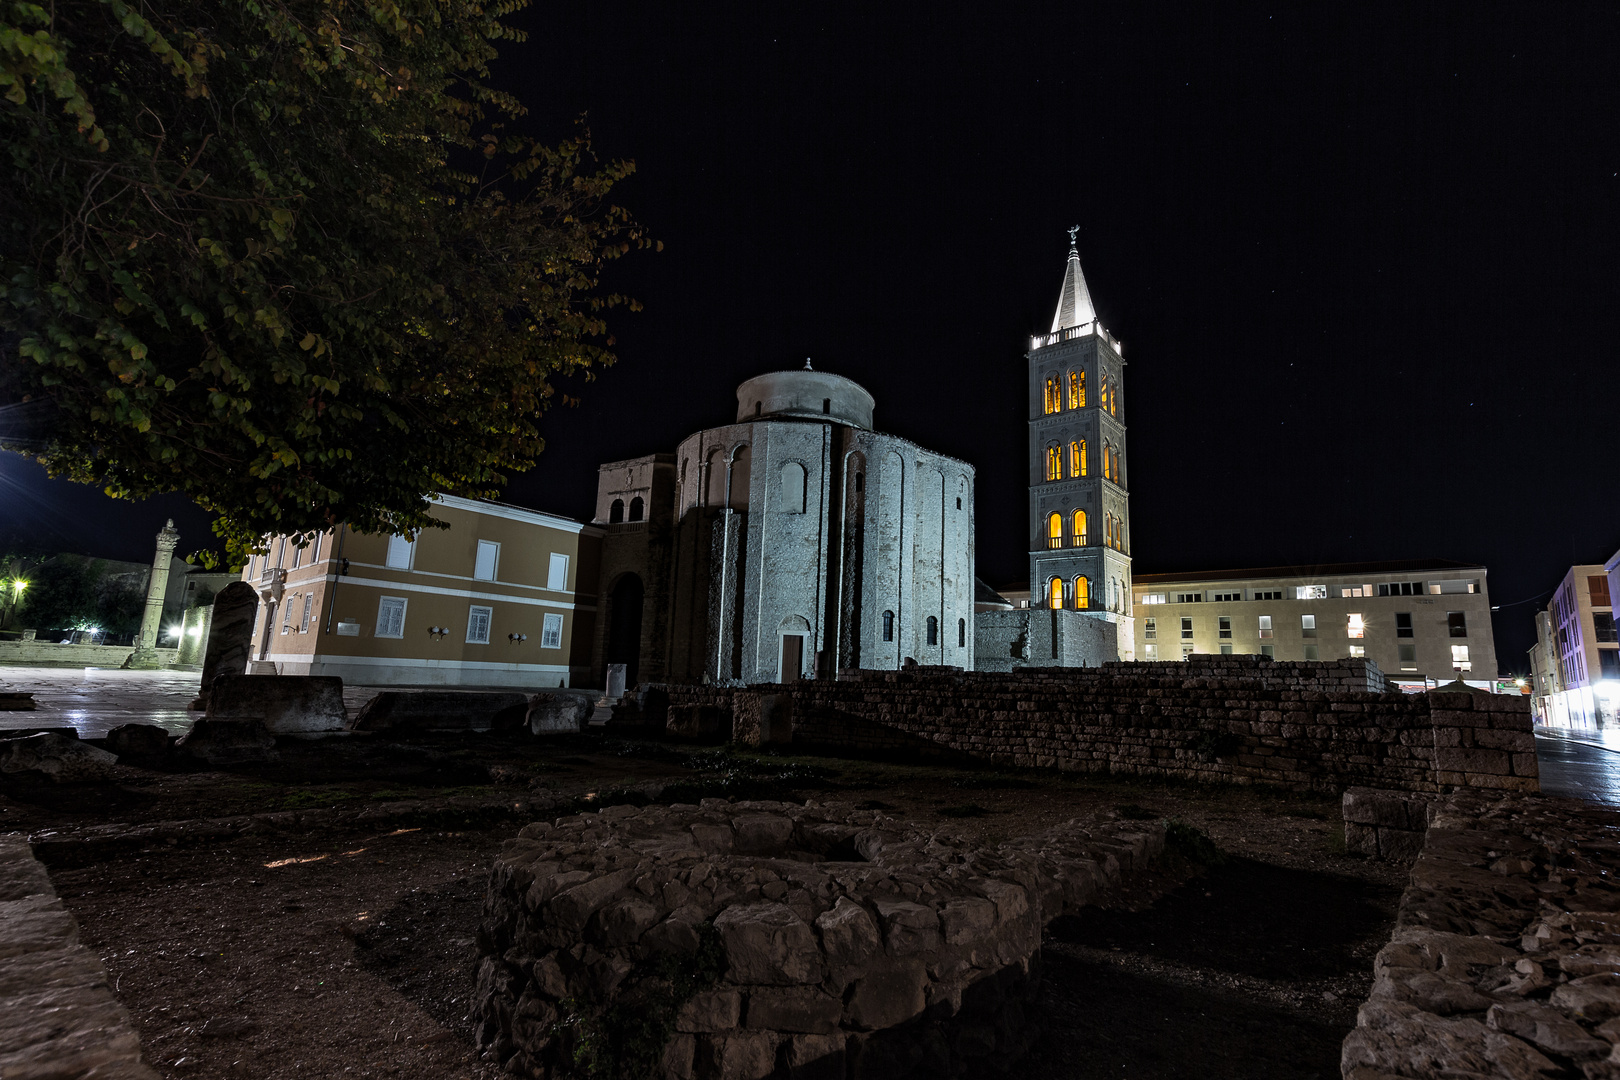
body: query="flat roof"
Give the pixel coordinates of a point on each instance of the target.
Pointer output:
(1396, 566)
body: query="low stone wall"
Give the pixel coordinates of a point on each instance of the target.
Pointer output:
(1041, 637)
(1505, 961)
(46, 654)
(742, 940)
(58, 1016)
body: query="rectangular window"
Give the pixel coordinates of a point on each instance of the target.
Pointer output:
(1459, 658)
(1311, 652)
(1189, 598)
(1225, 629)
(391, 617)
(1226, 650)
(1228, 597)
(1598, 587)
(1608, 664)
(1268, 594)
(1456, 624)
(401, 550)
(1401, 588)
(1268, 650)
(1403, 624)
(1307, 626)
(1152, 652)
(287, 612)
(551, 632)
(1150, 628)
(1152, 598)
(1186, 651)
(557, 574)
(1357, 651)
(298, 557)
(489, 556)
(1310, 592)
(1408, 655)
(478, 625)
(1358, 625)
(1603, 626)
(1265, 627)
(309, 605)
(1352, 590)
(315, 549)
(1186, 630)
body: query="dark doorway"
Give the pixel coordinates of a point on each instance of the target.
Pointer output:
(624, 629)
(792, 658)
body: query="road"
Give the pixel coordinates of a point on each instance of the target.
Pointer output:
(1580, 764)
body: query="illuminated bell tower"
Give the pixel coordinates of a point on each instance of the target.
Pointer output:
(1079, 508)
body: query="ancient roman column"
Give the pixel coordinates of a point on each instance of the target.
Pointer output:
(145, 654)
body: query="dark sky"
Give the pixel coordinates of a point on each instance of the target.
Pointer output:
(1363, 260)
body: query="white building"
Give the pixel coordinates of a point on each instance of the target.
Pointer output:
(1576, 660)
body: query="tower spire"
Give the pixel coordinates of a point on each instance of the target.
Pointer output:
(1074, 301)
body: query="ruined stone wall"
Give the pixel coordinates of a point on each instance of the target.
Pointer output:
(1041, 637)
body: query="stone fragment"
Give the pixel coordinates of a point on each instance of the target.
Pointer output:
(58, 759)
(673, 936)
(1399, 1039)
(768, 944)
(887, 995)
(1593, 998)
(623, 921)
(678, 1057)
(908, 928)
(848, 934)
(747, 1055)
(230, 636)
(282, 703)
(710, 1011)
(816, 1057)
(573, 907)
(1430, 991)
(139, 741)
(1547, 1028)
(762, 834)
(443, 710)
(1517, 1060)
(804, 1009)
(1591, 960)
(548, 977)
(557, 714)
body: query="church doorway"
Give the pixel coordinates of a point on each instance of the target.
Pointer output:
(792, 666)
(624, 626)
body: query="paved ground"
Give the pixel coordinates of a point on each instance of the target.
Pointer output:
(1579, 764)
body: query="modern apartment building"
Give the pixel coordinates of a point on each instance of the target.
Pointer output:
(1576, 658)
(493, 600)
(1422, 622)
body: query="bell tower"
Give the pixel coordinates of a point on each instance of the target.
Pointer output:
(1079, 506)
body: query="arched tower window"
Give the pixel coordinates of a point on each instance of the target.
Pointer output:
(933, 630)
(616, 512)
(1082, 593)
(888, 626)
(1077, 389)
(638, 509)
(1077, 458)
(1119, 469)
(1054, 530)
(1054, 594)
(1079, 534)
(793, 486)
(961, 633)
(1108, 463)
(1113, 400)
(1054, 462)
(1051, 400)
(1108, 530)
(1104, 398)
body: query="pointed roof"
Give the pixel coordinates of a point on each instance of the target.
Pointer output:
(1074, 302)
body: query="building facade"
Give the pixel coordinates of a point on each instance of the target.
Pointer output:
(494, 600)
(1576, 659)
(795, 541)
(1421, 622)
(1079, 504)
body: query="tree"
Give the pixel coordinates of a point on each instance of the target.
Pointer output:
(286, 257)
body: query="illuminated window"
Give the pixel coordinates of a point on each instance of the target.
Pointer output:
(1077, 458)
(1224, 626)
(1307, 627)
(1054, 593)
(1082, 593)
(1051, 400)
(1408, 655)
(1054, 530)
(1077, 389)
(1113, 400)
(1078, 537)
(888, 626)
(1150, 628)
(1054, 462)
(1186, 630)
(1119, 470)
(1104, 393)
(1358, 625)
(1459, 658)
(1108, 529)
(1265, 626)
(1358, 652)
(1310, 592)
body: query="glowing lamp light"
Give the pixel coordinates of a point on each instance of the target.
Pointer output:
(1608, 689)
(174, 631)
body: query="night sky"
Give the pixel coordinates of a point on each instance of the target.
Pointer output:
(1362, 260)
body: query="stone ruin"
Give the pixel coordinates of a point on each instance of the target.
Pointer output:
(743, 940)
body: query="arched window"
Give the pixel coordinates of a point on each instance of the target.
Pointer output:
(961, 633)
(1108, 530)
(638, 509)
(1077, 460)
(1054, 462)
(1105, 393)
(1078, 536)
(1051, 399)
(1113, 400)
(888, 626)
(1054, 530)
(616, 512)
(933, 630)
(1077, 389)
(1108, 463)
(1054, 593)
(792, 488)
(1119, 469)
(1082, 593)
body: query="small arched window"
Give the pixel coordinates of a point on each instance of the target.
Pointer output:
(1119, 469)
(638, 509)
(1077, 458)
(1054, 530)
(1054, 593)
(1108, 530)
(1077, 389)
(1078, 537)
(1051, 399)
(792, 488)
(616, 512)
(860, 482)
(1082, 593)
(1113, 400)
(1108, 462)
(888, 626)
(933, 630)
(961, 633)
(1054, 462)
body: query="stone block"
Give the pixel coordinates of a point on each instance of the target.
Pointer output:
(443, 710)
(769, 945)
(557, 714)
(1387, 809)
(52, 757)
(228, 742)
(1472, 760)
(800, 1009)
(887, 996)
(710, 1011)
(816, 1057)
(742, 1056)
(703, 723)
(139, 741)
(282, 703)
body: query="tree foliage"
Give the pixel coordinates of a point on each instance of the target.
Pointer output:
(286, 256)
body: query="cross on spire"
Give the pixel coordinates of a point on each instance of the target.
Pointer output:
(1074, 231)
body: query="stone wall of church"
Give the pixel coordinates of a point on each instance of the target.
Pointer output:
(1041, 637)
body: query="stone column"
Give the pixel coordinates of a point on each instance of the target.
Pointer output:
(145, 655)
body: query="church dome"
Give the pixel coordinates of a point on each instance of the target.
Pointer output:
(806, 394)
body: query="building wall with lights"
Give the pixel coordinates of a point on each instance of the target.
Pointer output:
(494, 600)
(1421, 622)
(1577, 653)
(796, 532)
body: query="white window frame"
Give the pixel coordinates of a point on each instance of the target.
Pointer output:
(551, 632)
(309, 606)
(401, 553)
(383, 603)
(493, 550)
(557, 572)
(473, 613)
(287, 613)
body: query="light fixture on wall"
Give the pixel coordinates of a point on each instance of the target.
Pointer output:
(438, 632)
(515, 638)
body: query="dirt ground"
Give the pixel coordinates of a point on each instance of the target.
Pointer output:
(331, 948)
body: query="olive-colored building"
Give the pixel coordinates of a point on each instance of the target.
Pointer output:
(494, 600)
